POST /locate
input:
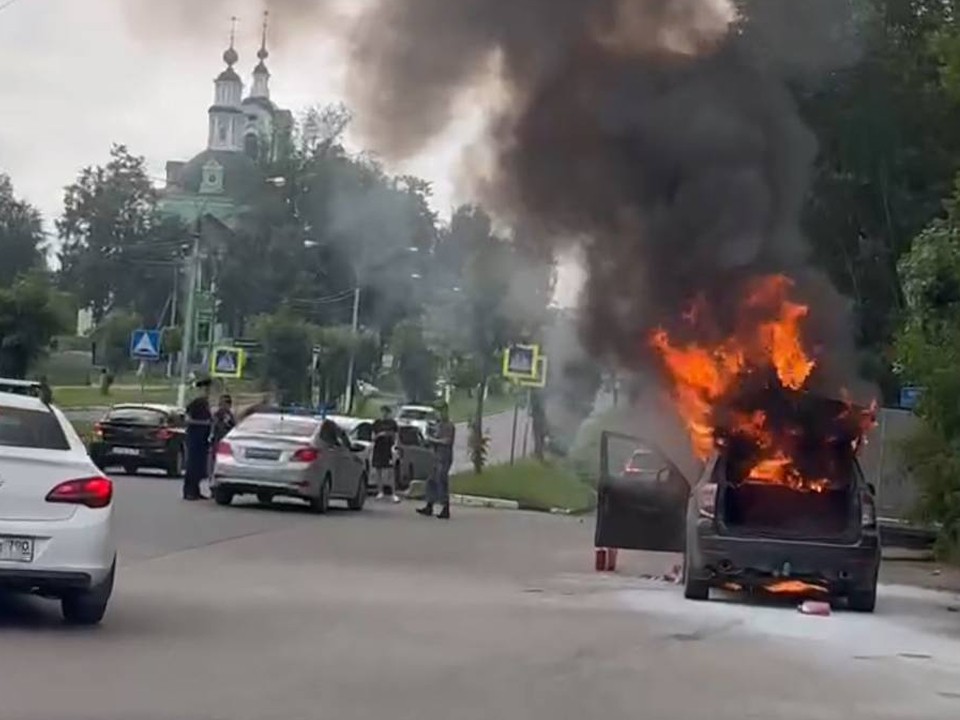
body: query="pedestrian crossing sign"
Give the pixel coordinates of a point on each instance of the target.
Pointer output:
(145, 345)
(540, 378)
(227, 362)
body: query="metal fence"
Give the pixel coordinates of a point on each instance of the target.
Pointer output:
(882, 462)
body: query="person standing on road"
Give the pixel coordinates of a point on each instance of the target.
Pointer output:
(199, 422)
(385, 431)
(223, 422)
(438, 487)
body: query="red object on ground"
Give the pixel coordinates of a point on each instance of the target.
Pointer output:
(814, 607)
(611, 559)
(600, 559)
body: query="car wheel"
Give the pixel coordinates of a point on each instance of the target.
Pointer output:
(222, 496)
(321, 503)
(130, 469)
(175, 464)
(693, 589)
(264, 498)
(87, 607)
(360, 499)
(863, 599)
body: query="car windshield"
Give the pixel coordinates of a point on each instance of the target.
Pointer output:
(31, 429)
(136, 416)
(279, 425)
(416, 414)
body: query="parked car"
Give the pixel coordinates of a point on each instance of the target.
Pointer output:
(56, 512)
(423, 417)
(732, 530)
(415, 457)
(303, 457)
(134, 436)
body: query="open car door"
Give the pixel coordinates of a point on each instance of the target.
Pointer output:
(642, 497)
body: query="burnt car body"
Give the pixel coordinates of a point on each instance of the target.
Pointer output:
(135, 436)
(733, 531)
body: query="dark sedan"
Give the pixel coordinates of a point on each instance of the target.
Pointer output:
(140, 436)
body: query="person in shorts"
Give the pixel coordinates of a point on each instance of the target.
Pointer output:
(385, 431)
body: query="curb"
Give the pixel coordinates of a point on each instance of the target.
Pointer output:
(417, 490)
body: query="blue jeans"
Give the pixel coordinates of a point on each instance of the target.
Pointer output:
(438, 486)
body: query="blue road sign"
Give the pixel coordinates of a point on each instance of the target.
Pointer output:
(145, 345)
(910, 397)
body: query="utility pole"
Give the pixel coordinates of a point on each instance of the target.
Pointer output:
(189, 322)
(355, 325)
(173, 312)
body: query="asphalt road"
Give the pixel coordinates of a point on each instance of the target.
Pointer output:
(252, 613)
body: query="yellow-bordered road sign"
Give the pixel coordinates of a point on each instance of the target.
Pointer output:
(540, 380)
(227, 362)
(520, 362)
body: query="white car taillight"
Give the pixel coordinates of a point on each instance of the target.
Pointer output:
(94, 492)
(707, 500)
(868, 510)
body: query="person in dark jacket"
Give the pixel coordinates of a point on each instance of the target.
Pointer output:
(199, 425)
(438, 486)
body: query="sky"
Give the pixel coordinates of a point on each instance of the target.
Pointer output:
(79, 75)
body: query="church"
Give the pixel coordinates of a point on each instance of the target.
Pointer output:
(244, 135)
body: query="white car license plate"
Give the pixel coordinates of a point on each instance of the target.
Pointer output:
(125, 451)
(16, 549)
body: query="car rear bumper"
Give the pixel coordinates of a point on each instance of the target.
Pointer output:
(249, 486)
(756, 560)
(45, 582)
(103, 454)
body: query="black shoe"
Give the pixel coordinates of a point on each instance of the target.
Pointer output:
(445, 513)
(426, 510)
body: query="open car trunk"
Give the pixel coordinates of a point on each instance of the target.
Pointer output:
(825, 507)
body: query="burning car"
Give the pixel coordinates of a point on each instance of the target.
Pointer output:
(780, 501)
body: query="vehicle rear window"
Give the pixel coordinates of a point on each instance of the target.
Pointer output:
(364, 432)
(279, 425)
(409, 436)
(136, 416)
(417, 415)
(31, 429)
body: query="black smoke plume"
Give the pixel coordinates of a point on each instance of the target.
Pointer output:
(661, 135)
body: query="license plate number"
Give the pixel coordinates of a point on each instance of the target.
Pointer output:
(126, 451)
(16, 549)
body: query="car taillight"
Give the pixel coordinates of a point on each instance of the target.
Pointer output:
(868, 510)
(707, 500)
(94, 492)
(164, 434)
(306, 455)
(223, 448)
(97, 430)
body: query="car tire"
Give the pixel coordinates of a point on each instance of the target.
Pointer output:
(130, 469)
(222, 496)
(87, 607)
(357, 502)
(693, 588)
(175, 464)
(321, 503)
(264, 498)
(864, 598)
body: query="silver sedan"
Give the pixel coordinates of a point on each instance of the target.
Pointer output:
(291, 456)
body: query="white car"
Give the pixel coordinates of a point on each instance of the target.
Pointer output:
(422, 417)
(56, 512)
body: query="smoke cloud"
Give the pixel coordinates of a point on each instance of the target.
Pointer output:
(660, 134)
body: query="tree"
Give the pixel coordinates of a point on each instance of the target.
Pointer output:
(118, 249)
(112, 337)
(29, 319)
(928, 350)
(417, 365)
(285, 340)
(22, 242)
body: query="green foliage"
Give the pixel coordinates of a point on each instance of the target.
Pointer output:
(416, 364)
(117, 249)
(286, 351)
(534, 485)
(335, 343)
(29, 319)
(22, 242)
(112, 337)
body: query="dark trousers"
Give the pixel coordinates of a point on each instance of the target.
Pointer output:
(198, 456)
(438, 486)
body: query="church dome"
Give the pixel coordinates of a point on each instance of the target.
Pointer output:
(231, 56)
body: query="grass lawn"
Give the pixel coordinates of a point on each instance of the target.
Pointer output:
(536, 486)
(77, 397)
